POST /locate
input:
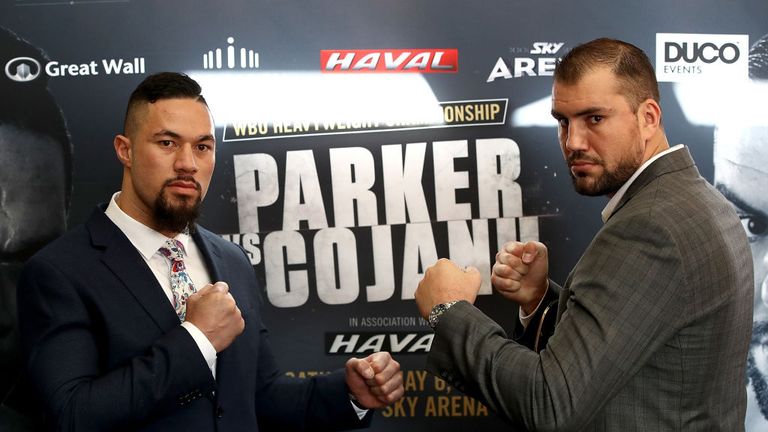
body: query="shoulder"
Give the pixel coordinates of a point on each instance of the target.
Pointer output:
(688, 206)
(675, 198)
(71, 257)
(680, 219)
(73, 243)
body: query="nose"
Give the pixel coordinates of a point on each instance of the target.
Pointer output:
(576, 138)
(186, 160)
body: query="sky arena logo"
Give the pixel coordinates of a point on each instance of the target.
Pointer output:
(685, 57)
(390, 61)
(541, 65)
(22, 69)
(215, 59)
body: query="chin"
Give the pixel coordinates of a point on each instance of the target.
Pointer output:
(585, 186)
(184, 200)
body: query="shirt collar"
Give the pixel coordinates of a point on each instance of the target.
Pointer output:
(611, 206)
(146, 240)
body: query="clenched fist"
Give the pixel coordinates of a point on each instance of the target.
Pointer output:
(521, 273)
(213, 310)
(375, 381)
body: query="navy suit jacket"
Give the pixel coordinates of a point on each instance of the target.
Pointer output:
(105, 351)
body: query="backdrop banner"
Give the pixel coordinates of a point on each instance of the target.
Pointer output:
(360, 141)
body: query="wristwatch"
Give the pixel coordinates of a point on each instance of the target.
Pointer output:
(437, 311)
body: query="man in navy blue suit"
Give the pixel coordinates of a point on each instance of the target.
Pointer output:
(117, 336)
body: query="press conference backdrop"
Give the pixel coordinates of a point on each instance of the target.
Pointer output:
(359, 141)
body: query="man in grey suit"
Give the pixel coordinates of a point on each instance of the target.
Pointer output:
(654, 321)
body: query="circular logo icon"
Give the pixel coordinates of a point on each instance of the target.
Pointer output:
(22, 69)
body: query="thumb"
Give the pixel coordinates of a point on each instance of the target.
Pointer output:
(514, 247)
(204, 290)
(221, 287)
(531, 250)
(471, 271)
(361, 367)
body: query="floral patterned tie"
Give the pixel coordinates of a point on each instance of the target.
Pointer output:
(181, 284)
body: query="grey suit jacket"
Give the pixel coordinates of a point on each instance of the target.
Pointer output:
(654, 327)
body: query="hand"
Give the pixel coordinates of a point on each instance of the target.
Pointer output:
(444, 282)
(213, 311)
(375, 381)
(521, 273)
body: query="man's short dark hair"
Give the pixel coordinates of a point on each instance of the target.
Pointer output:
(159, 86)
(30, 106)
(629, 63)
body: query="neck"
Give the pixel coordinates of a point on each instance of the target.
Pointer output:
(128, 206)
(655, 146)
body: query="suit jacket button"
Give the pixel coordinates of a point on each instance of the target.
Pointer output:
(219, 412)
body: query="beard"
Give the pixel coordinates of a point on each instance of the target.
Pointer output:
(609, 182)
(179, 216)
(754, 376)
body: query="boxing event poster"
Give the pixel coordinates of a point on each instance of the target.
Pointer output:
(360, 141)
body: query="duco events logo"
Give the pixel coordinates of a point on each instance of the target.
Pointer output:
(390, 60)
(686, 57)
(25, 69)
(540, 61)
(215, 59)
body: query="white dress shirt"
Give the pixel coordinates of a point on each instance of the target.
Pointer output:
(147, 241)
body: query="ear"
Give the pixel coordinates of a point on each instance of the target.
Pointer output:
(649, 117)
(123, 150)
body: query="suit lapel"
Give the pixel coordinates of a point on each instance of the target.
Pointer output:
(675, 161)
(129, 267)
(211, 254)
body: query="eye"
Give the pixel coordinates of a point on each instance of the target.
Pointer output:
(595, 119)
(204, 147)
(754, 225)
(165, 143)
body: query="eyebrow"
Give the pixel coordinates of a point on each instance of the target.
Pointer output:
(172, 134)
(738, 202)
(166, 132)
(584, 112)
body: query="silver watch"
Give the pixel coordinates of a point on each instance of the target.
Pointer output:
(437, 310)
